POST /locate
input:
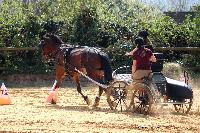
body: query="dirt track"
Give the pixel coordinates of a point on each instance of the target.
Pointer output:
(29, 112)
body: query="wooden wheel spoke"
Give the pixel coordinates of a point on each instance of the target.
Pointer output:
(124, 103)
(118, 93)
(142, 100)
(117, 104)
(185, 107)
(136, 96)
(121, 104)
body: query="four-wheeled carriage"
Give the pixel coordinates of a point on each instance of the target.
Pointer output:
(122, 96)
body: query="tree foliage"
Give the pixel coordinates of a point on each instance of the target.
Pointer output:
(98, 23)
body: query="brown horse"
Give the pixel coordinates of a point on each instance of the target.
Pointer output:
(90, 61)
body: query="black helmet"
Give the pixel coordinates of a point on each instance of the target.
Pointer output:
(139, 42)
(143, 33)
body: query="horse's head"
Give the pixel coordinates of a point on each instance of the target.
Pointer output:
(50, 45)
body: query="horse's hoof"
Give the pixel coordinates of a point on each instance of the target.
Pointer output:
(53, 101)
(96, 102)
(87, 100)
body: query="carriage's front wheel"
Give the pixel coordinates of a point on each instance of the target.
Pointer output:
(119, 96)
(142, 99)
(184, 106)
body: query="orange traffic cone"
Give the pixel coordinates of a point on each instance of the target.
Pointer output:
(4, 97)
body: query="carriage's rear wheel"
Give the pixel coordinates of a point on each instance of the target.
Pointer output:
(142, 99)
(119, 96)
(184, 106)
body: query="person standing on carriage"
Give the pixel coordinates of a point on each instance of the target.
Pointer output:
(142, 59)
(147, 42)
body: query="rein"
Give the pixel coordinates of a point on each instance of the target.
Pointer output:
(90, 79)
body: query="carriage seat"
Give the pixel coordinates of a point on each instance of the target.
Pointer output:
(158, 65)
(178, 90)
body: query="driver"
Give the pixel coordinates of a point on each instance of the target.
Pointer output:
(144, 34)
(141, 65)
(142, 58)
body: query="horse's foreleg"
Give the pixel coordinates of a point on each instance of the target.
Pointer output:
(54, 91)
(52, 98)
(77, 80)
(60, 75)
(97, 99)
(55, 86)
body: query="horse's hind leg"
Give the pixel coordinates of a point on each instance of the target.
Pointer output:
(97, 99)
(97, 75)
(77, 80)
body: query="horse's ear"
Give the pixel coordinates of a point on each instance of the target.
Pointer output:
(45, 37)
(50, 34)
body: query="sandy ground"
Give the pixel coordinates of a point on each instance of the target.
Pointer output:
(30, 112)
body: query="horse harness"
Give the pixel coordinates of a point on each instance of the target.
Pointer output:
(69, 67)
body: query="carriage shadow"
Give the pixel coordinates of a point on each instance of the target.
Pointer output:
(87, 109)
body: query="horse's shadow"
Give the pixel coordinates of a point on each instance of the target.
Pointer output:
(91, 110)
(82, 108)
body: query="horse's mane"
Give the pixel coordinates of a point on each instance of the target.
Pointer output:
(56, 39)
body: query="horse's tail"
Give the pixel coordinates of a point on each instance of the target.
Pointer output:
(106, 65)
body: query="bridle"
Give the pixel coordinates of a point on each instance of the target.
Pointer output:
(50, 55)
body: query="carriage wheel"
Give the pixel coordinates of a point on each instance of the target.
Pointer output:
(142, 99)
(119, 96)
(185, 107)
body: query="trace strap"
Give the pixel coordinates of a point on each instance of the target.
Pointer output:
(97, 83)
